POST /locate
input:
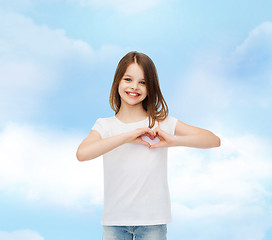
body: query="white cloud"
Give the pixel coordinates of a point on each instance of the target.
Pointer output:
(258, 42)
(222, 193)
(235, 172)
(32, 58)
(221, 221)
(222, 86)
(252, 59)
(35, 60)
(22, 38)
(41, 165)
(227, 188)
(226, 193)
(20, 235)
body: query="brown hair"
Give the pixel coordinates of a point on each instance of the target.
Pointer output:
(154, 103)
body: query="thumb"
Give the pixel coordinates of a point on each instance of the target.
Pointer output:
(161, 133)
(157, 145)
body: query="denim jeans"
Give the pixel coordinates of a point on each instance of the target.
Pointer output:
(147, 232)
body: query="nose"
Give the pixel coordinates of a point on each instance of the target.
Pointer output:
(134, 85)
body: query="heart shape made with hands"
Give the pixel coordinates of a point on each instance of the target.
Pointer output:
(150, 141)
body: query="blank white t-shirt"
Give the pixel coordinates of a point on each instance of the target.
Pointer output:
(135, 177)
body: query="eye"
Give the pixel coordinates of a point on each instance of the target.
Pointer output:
(127, 79)
(142, 82)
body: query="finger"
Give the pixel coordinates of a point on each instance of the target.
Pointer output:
(152, 133)
(147, 131)
(157, 145)
(144, 143)
(159, 134)
(157, 131)
(148, 135)
(162, 133)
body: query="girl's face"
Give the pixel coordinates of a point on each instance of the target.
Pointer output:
(132, 88)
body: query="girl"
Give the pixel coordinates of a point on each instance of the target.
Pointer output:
(134, 145)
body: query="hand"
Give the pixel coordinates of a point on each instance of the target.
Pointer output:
(135, 136)
(166, 140)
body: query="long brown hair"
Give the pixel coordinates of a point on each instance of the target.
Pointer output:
(154, 103)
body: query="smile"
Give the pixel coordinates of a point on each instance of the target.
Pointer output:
(133, 94)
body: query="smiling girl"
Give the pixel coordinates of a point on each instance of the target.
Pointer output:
(134, 144)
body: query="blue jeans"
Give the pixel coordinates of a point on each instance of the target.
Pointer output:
(147, 232)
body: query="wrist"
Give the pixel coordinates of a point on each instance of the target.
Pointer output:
(175, 141)
(127, 137)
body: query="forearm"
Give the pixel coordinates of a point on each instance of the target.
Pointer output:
(91, 150)
(202, 140)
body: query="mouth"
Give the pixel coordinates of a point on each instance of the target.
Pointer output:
(133, 94)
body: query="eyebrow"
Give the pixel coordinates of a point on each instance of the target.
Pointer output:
(131, 76)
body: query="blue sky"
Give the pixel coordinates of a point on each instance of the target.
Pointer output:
(57, 61)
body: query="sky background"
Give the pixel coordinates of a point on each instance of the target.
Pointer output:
(57, 62)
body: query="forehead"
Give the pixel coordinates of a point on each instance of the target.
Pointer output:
(135, 69)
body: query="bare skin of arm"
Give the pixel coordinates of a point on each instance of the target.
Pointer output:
(94, 146)
(187, 136)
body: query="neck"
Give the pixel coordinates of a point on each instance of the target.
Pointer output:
(131, 113)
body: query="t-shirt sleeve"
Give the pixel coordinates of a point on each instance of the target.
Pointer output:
(169, 125)
(99, 127)
(172, 124)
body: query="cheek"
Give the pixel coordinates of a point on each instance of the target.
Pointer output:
(120, 87)
(145, 91)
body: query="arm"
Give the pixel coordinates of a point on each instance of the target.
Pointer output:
(187, 136)
(191, 136)
(94, 146)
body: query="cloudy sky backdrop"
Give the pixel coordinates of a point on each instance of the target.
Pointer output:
(57, 61)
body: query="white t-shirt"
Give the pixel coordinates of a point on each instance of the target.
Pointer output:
(135, 177)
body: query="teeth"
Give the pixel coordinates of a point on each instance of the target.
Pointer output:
(133, 94)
